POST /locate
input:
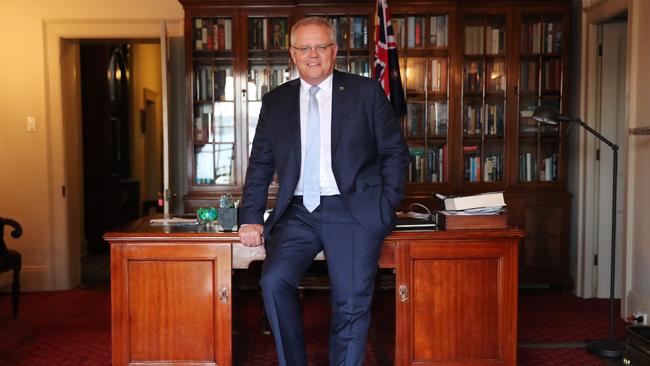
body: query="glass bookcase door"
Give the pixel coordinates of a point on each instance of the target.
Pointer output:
(422, 43)
(268, 64)
(540, 83)
(353, 37)
(213, 112)
(484, 99)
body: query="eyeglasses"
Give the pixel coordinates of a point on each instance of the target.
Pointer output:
(305, 50)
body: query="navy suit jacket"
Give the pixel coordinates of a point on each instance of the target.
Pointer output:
(369, 153)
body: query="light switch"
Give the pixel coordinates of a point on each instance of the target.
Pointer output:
(31, 124)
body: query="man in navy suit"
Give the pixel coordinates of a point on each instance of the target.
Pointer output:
(336, 134)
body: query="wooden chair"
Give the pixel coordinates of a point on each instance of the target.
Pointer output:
(11, 260)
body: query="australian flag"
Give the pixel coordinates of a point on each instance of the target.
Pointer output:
(386, 68)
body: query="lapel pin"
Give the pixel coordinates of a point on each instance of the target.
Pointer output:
(341, 88)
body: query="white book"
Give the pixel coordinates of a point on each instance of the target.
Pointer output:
(490, 199)
(228, 33)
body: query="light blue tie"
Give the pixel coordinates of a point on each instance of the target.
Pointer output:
(311, 170)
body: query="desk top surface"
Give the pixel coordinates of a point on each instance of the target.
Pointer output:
(141, 230)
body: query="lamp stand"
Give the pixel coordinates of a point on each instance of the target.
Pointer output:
(608, 347)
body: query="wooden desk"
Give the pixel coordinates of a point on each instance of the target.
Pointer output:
(456, 296)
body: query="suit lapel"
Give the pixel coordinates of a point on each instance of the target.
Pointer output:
(338, 109)
(294, 124)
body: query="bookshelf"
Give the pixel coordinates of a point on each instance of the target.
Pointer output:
(472, 71)
(423, 47)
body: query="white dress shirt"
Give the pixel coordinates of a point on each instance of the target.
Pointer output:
(328, 185)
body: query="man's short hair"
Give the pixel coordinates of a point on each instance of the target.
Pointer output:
(314, 20)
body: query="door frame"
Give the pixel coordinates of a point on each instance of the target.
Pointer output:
(63, 273)
(593, 15)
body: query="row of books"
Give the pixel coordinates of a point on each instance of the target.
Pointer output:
(438, 75)
(475, 121)
(210, 82)
(429, 167)
(528, 168)
(218, 127)
(494, 120)
(268, 33)
(489, 40)
(341, 25)
(262, 79)
(437, 119)
(354, 31)
(212, 34)
(409, 31)
(528, 76)
(552, 74)
(474, 76)
(358, 32)
(360, 67)
(541, 37)
(492, 170)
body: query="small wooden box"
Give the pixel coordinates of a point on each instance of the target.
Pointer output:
(454, 222)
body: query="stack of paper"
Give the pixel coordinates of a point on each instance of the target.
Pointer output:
(479, 203)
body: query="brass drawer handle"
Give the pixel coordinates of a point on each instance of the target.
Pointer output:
(403, 293)
(223, 295)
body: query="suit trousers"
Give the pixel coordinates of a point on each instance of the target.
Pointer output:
(352, 255)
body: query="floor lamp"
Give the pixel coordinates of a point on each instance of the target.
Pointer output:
(608, 347)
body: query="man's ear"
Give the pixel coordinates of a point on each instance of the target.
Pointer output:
(292, 53)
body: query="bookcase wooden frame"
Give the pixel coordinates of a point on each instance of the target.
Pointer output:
(544, 253)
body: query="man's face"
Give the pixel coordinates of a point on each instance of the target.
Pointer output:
(313, 52)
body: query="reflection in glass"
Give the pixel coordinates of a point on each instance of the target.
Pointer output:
(204, 164)
(437, 119)
(528, 76)
(438, 75)
(253, 115)
(473, 80)
(224, 159)
(415, 73)
(415, 119)
(527, 125)
(472, 118)
(528, 161)
(224, 122)
(224, 87)
(496, 76)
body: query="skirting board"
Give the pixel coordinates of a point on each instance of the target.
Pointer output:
(32, 278)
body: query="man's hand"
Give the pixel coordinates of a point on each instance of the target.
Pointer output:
(251, 235)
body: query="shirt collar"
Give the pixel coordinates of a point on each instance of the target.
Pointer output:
(325, 85)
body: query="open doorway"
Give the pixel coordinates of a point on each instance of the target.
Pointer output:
(114, 140)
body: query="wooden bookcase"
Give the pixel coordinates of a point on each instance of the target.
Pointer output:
(472, 71)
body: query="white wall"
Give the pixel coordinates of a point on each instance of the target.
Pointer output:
(636, 201)
(31, 164)
(638, 208)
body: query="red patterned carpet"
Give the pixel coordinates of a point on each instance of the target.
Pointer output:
(73, 328)
(559, 317)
